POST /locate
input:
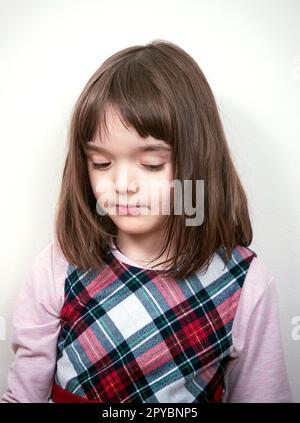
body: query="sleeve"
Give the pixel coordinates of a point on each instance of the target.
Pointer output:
(258, 373)
(35, 329)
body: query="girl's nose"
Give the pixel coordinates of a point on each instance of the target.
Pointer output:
(125, 181)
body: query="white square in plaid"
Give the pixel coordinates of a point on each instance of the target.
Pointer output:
(129, 316)
(175, 392)
(65, 370)
(215, 271)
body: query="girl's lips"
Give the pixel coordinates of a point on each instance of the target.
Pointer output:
(129, 205)
(129, 209)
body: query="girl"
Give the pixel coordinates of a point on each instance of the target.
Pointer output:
(128, 305)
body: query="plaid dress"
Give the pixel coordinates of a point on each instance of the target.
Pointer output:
(132, 335)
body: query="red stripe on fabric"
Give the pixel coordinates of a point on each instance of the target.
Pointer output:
(60, 395)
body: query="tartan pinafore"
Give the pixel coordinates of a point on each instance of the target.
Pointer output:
(132, 335)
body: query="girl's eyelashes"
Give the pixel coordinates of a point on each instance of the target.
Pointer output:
(99, 165)
(153, 168)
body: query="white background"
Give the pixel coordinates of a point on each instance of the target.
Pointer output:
(250, 54)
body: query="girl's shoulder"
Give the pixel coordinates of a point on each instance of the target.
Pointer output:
(50, 258)
(258, 295)
(258, 276)
(48, 271)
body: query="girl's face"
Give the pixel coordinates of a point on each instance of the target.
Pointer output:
(126, 169)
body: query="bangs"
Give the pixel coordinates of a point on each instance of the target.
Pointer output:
(139, 102)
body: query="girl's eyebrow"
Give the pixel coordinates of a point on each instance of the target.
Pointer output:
(150, 147)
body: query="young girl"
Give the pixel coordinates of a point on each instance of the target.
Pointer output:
(128, 305)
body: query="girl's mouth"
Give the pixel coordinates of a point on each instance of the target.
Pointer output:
(133, 210)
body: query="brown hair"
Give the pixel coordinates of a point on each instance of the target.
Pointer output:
(160, 90)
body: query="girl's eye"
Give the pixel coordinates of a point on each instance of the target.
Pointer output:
(99, 165)
(152, 168)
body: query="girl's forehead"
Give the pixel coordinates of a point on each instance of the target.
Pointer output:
(116, 132)
(112, 126)
(113, 119)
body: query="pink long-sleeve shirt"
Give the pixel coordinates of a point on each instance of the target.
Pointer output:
(256, 372)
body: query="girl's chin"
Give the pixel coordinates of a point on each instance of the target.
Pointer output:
(135, 224)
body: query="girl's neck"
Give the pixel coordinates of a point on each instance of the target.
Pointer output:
(138, 250)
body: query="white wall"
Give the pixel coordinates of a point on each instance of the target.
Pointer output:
(250, 53)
